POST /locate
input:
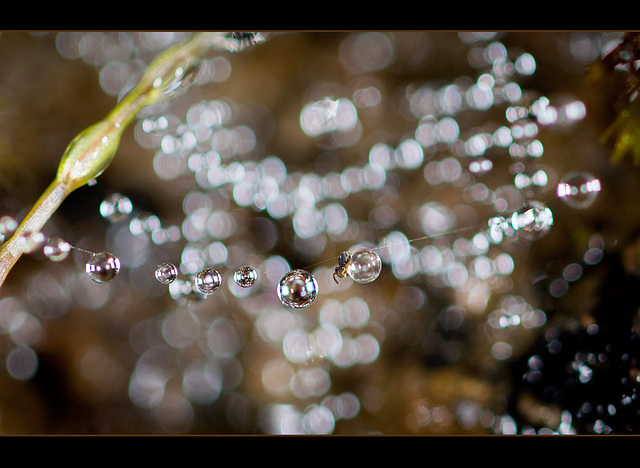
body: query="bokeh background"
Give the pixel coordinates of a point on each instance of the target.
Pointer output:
(283, 155)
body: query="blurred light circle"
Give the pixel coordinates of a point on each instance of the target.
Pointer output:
(366, 52)
(22, 363)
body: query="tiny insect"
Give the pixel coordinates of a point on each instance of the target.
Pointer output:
(343, 262)
(237, 41)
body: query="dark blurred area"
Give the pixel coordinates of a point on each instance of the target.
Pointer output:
(547, 344)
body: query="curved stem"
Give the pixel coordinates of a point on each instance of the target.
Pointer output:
(43, 209)
(91, 152)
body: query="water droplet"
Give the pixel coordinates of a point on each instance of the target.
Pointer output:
(116, 207)
(56, 249)
(245, 276)
(31, 241)
(532, 221)
(365, 266)
(103, 267)
(578, 189)
(297, 289)
(208, 280)
(166, 273)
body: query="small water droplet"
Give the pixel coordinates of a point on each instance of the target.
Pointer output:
(56, 249)
(579, 189)
(31, 241)
(297, 289)
(364, 266)
(103, 267)
(532, 221)
(245, 276)
(166, 273)
(208, 280)
(116, 207)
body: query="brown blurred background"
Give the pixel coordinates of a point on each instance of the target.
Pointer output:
(438, 370)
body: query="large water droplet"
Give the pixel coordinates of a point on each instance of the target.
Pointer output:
(103, 267)
(297, 289)
(532, 221)
(578, 189)
(208, 280)
(245, 276)
(365, 266)
(166, 273)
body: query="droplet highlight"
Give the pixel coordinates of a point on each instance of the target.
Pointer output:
(532, 221)
(103, 267)
(297, 289)
(56, 249)
(364, 266)
(579, 189)
(245, 276)
(166, 273)
(208, 280)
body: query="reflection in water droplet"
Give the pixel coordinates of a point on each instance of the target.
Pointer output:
(579, 189)
(297, 289)
(532, 221)
(56, 249)
(103, 267)
(245, 276)
(166, 273)
(365, 266)
(208, 280)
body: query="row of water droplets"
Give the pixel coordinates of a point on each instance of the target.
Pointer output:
(298, 288)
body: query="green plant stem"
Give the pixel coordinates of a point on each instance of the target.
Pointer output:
(91, 152)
